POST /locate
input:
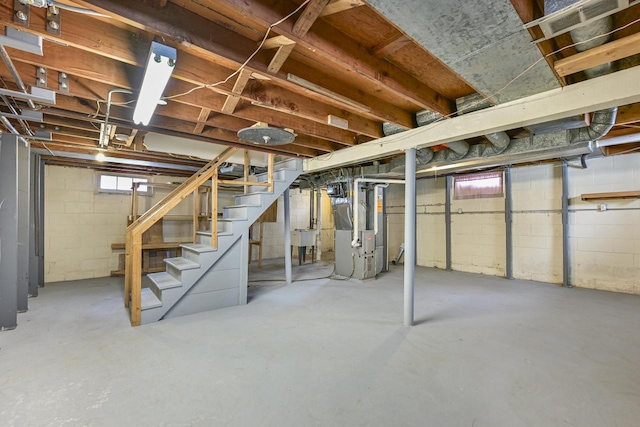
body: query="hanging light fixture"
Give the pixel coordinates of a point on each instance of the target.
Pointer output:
(160, 65)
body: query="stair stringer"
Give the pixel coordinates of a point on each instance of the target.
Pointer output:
(229, 262)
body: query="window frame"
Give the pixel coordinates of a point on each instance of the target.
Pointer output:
(469, 193)
(134, 178)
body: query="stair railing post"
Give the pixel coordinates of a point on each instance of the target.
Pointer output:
(136, 277)
(196, 215)
(134, 201)
(127, 267)
(246, 170)
(270, 172)
(214, 209)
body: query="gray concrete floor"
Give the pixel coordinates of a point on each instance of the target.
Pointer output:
(484, 352)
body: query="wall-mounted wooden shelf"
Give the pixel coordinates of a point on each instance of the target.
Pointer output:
(611, 195)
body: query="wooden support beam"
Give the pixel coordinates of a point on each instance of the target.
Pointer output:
(231, 102)
(628, 114)
(100, 38)
(279, 58)
(202, 119)
(276, 42)
(324, 45)
(614, 89)
(599, 55)
(336, 6)
(311, 13)
(390, 45)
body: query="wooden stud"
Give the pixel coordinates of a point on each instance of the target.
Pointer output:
(599, 55)
(196, 215)
(276, 42)
(214, 210)
(279, 58)
(311, 13)
(127, 268)
(231, 102)
(271, 157)
(202, 118)
(336, 6)
(628, 114)
(134, 201)
(390, 45)
(136, 280)
(247, 166)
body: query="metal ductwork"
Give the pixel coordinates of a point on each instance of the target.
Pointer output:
(587, 37)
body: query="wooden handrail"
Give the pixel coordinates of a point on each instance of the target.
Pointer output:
(133, 236)
(134, 232)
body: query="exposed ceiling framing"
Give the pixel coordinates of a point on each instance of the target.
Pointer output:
(333, 72)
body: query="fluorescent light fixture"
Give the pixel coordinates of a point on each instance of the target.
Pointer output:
(160, 65)
(326, 92)
(37, 94)
(22, 40)
(29, 115)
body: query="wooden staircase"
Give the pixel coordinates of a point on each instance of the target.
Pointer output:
(212, 272)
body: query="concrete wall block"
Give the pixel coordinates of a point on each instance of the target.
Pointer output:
(617, 260)
(78, 207)
(546, 229)
(594, 245)
(529, 242)
(611, 231)
(581, 230)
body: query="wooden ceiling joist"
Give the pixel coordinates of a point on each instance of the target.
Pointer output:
(174, 22)
(311, 12)
(608, 52)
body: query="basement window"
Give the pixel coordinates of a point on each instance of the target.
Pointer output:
(478, 185)
(121, 184)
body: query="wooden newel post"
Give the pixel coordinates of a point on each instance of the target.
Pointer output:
(247, 165)
(214, 209)
(196, 214)
(270, 172)
(127, 268)
(136, 279)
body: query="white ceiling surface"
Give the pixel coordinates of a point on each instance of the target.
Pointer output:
(199, 149)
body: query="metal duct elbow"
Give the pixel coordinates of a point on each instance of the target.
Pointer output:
(499, 140)
(587, 37)
(601, 124)
(460, 148)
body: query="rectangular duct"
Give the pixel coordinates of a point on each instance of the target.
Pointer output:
(562, 16)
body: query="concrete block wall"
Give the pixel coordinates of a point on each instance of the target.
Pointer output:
(605, 246)
(537, 223)
(82, 223)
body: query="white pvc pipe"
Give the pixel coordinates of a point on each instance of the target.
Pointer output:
(356, 201)
(617, 140)
(375, 215)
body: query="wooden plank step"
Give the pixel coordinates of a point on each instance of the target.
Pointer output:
(148, 299)
(181, 264)
(164, 280)
(151, 246)
(220, 233)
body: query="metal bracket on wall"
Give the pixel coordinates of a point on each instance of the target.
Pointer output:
(63, 82)
(41, 77)
(21, 13)
(53, 20)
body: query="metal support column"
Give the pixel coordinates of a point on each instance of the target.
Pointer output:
(447, 221)
(508, 219)
(24, 153)
(8, 231)
(34, 225)
(287, 237)
(409, 233)
(565, 227)
(319, 224)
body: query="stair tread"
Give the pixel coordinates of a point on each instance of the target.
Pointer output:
(148, 299)
(199, 248)
(181, 263)
(220, 233)
(164, 280)
(242, 206)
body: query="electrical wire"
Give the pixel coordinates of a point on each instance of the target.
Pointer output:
(244, 64)
(326, 157)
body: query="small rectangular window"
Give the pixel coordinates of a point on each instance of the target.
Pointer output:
(121, 184)
(478, 185)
